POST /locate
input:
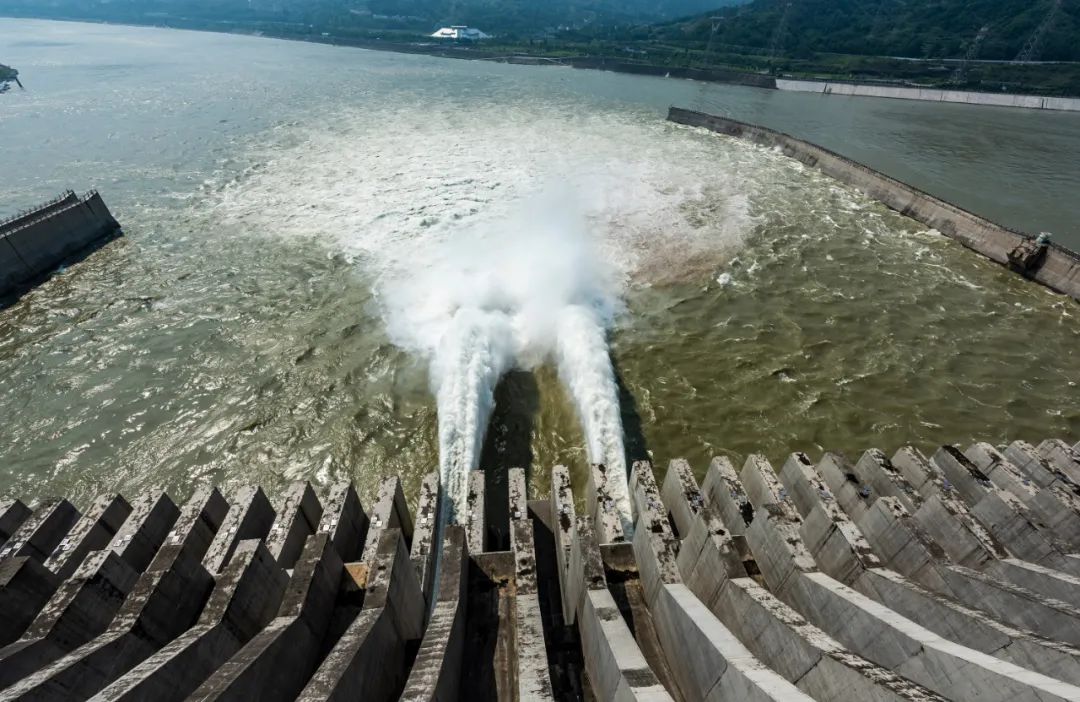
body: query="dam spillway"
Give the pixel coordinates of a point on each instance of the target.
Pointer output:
(954, 576)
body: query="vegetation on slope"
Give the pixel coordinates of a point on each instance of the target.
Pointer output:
(7, 73)
(912, 42)
(907, 28)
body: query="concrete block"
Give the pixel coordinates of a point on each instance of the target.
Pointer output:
(965, 625)
(533, 678)
(562, 510)
(902, 544)
(1015, 605)
(959, 534)
(25, 586)
(165, 601)
(517, 489)
(245, 599)
(345, 521)
(707, 659)
(803, 654)
(1051, 461)
(707, 554)
(1036, 578)
(724, 493)
(94, 530)
(915, 469)
(200, 519)
(1003, 514)
(370, 658)
(12, 515)
(476, 529)
(654, 543)
(615, 665)
(145, 529)
(390, 512)
(1056, 505)
(875, 470)
(681, 495)
(763, 487)
(875, 632)
(277, 662)
(249, 517)
(298, 516)
(42, 531)
(1063, 458)
(81, 608)
(436, 671)
(601, 505)
(842, 480)
(835, 542)
(778, 548)
(424, 548)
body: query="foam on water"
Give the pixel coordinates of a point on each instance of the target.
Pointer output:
(509, 245)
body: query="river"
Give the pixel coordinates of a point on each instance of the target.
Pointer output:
(277, 197)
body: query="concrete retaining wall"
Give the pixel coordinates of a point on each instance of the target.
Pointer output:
(1059, 269)
(1035, 102)
(35, 242)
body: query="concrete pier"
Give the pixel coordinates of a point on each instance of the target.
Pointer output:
(898, 579)
(35, 242)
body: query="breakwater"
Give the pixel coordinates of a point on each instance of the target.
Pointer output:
(969, 97)
(36, 241)
(954, 576)
(1050, 264)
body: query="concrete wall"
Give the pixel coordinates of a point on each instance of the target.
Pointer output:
(35, 242)
(1036, 102)
(713, 75)
(1060, 270)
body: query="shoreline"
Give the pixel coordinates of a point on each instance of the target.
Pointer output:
(719, 75)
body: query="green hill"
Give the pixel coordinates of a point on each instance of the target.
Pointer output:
(904, 28)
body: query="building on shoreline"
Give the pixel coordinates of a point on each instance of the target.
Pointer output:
(460, 32)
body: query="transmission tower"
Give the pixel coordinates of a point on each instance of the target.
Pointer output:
(960, 74)
(702, 102)
(777, 42)
(1033, 45)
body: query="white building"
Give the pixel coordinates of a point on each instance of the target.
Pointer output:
(460, 32)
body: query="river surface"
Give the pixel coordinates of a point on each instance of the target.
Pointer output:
(277, 197)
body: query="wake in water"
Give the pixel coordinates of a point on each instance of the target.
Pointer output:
(513, 295)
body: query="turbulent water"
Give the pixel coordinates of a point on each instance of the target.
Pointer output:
(332, 255)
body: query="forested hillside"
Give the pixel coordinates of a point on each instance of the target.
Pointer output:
(908, 28)
(516, 18)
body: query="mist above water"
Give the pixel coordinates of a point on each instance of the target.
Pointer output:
(512, 293)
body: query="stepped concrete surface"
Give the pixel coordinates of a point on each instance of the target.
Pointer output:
(899, 579)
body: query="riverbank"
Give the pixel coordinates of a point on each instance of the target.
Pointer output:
(824, 73)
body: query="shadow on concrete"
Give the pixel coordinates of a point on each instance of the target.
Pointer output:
(508, 444)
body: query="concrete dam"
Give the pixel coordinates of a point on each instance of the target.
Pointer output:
(35, 242)
(954, 576)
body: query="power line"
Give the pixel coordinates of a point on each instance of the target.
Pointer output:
(960, 74)
(1033, 46)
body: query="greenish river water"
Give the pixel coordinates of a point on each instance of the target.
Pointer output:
(244, 331)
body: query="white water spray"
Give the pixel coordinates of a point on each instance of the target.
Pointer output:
(585, 368)
(513, 294)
